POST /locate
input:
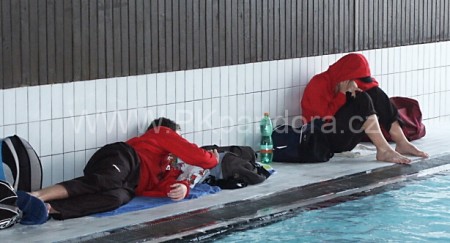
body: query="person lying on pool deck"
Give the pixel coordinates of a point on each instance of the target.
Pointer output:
(351, 101)
(119, 171)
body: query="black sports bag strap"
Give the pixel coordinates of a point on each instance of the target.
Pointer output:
(210, 147)
(218, 148)
(222, 149)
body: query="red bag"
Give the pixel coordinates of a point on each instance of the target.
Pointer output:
(411, 116)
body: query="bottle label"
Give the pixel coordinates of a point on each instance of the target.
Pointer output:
(266, 149)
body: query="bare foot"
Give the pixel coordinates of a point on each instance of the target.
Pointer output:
(408, 148)
(392, 156)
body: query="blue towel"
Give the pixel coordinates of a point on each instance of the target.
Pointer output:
(140, 203)
(34, 210)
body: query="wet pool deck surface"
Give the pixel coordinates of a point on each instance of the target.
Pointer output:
(293, 186)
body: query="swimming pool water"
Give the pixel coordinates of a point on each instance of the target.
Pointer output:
(413, 211)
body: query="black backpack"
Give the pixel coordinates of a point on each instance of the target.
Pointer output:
(305, 144)
(9, 212)
(238, 167)
(20, 164)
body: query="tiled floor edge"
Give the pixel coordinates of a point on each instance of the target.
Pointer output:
(206, 224)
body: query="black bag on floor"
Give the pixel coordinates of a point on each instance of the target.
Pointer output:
(20, 164)
(306, 144)
(237, 168)
(9, 212)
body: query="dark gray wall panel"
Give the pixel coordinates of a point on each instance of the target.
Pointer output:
(176, 35)
(59, 41)
(53, 41)
(132, 26)
(109, 39)
(154, 37)
(167, 20)
(101, 41)
(25, 42)
(93, 40)
(15, 42)
(228, 32)
(85, 40)
(125, 37)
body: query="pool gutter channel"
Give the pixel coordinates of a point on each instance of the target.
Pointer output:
(209, 223)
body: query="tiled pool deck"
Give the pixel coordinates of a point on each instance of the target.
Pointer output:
(293, 186)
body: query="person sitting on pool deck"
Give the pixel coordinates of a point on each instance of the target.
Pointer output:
(351, 101)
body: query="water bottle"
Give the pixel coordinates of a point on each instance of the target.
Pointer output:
(266, 146)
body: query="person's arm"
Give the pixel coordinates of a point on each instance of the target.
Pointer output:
(188, 152)
(169, 187)
(320, 101)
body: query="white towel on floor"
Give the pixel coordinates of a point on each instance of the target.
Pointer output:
(359, 151)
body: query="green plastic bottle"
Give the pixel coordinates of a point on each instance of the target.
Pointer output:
(266, 146)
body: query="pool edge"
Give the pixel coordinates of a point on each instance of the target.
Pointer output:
(207, 223)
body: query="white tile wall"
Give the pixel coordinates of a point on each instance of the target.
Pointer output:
(122, 93)
(69, 165)
(90, 93)
(180, 91)
(111, 127)
(132, 93)
(223, 86)
(57, 136)
(57, 167)
(111, 95)
(232, 80)
(66, 123)
(9, 110)
(79, 98)
(46, 138)
(212, 81)
(78, 164)
(21, 105)
(100, 95)
(22, 130)
(203, 84)
(68, 100)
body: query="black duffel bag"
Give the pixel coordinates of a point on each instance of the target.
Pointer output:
(305, 144)
(237, 167)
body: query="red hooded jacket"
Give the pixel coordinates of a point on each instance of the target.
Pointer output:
(320, 98)
(156, 173)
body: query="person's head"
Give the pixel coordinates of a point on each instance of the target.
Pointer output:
(164, 122)
(350, 67)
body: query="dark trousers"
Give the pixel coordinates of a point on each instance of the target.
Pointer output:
(348, 132)
(109, 180)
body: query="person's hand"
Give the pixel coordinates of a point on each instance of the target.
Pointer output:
(214, 151)
(353, 87)
(178, 191)
(348, 86)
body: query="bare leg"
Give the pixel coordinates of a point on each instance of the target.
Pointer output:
(51, 193)
(384, 150)
(403, 145)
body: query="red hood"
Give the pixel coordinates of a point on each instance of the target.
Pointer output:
(349, 67)
(320, 97)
